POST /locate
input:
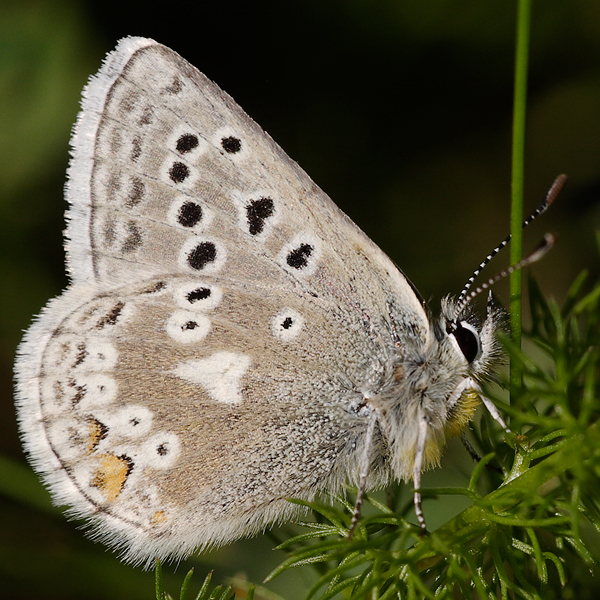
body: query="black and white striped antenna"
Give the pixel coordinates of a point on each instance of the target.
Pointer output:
(465, 297)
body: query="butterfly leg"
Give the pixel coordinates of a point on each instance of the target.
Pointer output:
(364, 472)
(469, 447)
(474, 454)
(491, 407)
(417, 468)
(471, 384)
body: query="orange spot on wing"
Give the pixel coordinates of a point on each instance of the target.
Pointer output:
(111, 475)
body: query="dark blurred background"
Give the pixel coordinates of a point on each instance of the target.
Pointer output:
(399, 110)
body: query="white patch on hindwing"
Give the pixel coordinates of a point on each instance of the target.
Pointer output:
(219, 374)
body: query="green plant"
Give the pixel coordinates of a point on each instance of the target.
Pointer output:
(205, 593)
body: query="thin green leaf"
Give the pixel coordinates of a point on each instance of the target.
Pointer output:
(202, 594)
(185, 585)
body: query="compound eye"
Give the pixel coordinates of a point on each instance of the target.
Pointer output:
(468, 341)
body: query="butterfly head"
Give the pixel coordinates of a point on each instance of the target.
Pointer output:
(440, 379)
(474, 340)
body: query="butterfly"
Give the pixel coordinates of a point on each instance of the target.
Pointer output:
(229, 338)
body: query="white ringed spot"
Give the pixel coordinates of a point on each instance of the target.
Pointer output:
(231, 144)
(197, 295)
(187, 327)
(301, 256)
(129, 422)
(189, 213)
(177, 172)
(202, 255)
(183, 141)
(287, 324)
(160, 451)
(258, 213)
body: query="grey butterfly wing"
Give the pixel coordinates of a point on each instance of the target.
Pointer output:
(193, 430)
(225, 324)
(170, 176)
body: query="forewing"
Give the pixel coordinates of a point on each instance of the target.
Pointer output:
(170, 176)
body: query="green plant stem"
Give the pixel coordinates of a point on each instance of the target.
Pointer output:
(517, 176)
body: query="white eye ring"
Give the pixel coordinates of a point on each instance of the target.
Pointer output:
(464, 344)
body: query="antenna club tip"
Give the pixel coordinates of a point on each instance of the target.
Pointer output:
(543, 247)
(555, 189)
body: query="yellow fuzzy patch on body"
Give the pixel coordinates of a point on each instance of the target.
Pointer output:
(436, 439)
(431, 457)
(432, 454)
(111, 475)
(462, 413)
